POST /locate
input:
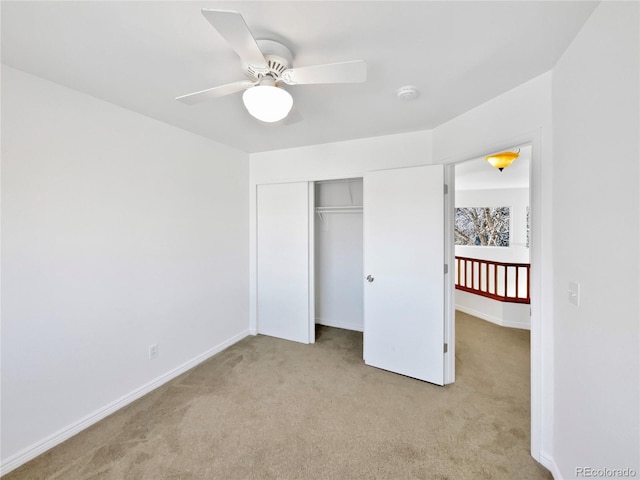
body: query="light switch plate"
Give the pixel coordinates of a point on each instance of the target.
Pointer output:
(574, 293)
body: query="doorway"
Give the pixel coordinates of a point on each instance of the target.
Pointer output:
(491, 237)
(481, 187)
(338, 254)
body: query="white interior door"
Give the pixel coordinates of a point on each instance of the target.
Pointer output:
(283, 267)
(404, 256)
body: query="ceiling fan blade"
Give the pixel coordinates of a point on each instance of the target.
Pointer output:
(215, 92)
(345, 72)
(235, 31)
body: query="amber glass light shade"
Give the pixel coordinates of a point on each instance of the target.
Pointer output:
(502, 160)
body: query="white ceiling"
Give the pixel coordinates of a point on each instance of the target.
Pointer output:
(141, 55)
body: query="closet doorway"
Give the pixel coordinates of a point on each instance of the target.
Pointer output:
(338, 240)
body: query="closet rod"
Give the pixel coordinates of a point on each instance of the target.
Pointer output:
(343, 209)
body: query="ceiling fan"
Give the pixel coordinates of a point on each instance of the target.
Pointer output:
(268, 64)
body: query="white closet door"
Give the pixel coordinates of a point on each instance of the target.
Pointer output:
(283, 261)
(404, 255)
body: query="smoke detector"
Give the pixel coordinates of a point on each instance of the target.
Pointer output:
(408, 92)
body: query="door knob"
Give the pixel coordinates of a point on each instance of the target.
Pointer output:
(369, 278)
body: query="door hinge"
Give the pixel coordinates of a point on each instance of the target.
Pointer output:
(446, 347)
(446, 268)
(446, 188)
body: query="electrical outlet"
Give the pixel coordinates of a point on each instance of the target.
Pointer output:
(153, 351)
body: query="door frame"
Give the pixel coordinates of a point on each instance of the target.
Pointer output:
(541, 295)
(450, 287)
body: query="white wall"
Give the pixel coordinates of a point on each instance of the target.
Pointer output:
(341, 159)
(505, 314)
(517, 199)
(339, 293)
(522, 115)
(118, 232)
(596, 239)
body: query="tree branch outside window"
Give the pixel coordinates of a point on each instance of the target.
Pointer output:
(482, 226)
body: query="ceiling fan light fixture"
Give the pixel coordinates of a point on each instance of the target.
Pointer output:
(502, 160)
(267, 103)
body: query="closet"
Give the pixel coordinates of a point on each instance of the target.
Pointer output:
(319, 258)
(338, 255)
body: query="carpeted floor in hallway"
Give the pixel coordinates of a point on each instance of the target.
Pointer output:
(271, 409)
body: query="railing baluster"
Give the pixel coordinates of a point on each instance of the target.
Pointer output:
(506, 271)
(473, 275)
(495, 279)
(486, 277)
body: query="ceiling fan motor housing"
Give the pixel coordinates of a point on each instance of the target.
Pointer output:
(278, 57)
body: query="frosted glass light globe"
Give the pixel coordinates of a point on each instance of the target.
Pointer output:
(267, 103)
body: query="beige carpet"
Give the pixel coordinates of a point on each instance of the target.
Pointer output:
(272, 409)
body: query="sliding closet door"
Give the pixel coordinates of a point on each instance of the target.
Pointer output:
(283, 267)
(404, 259)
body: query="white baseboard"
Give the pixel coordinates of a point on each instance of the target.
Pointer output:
(479, 314)
(548, 462)
(338, 324)
(38, 448)
(492, 319)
